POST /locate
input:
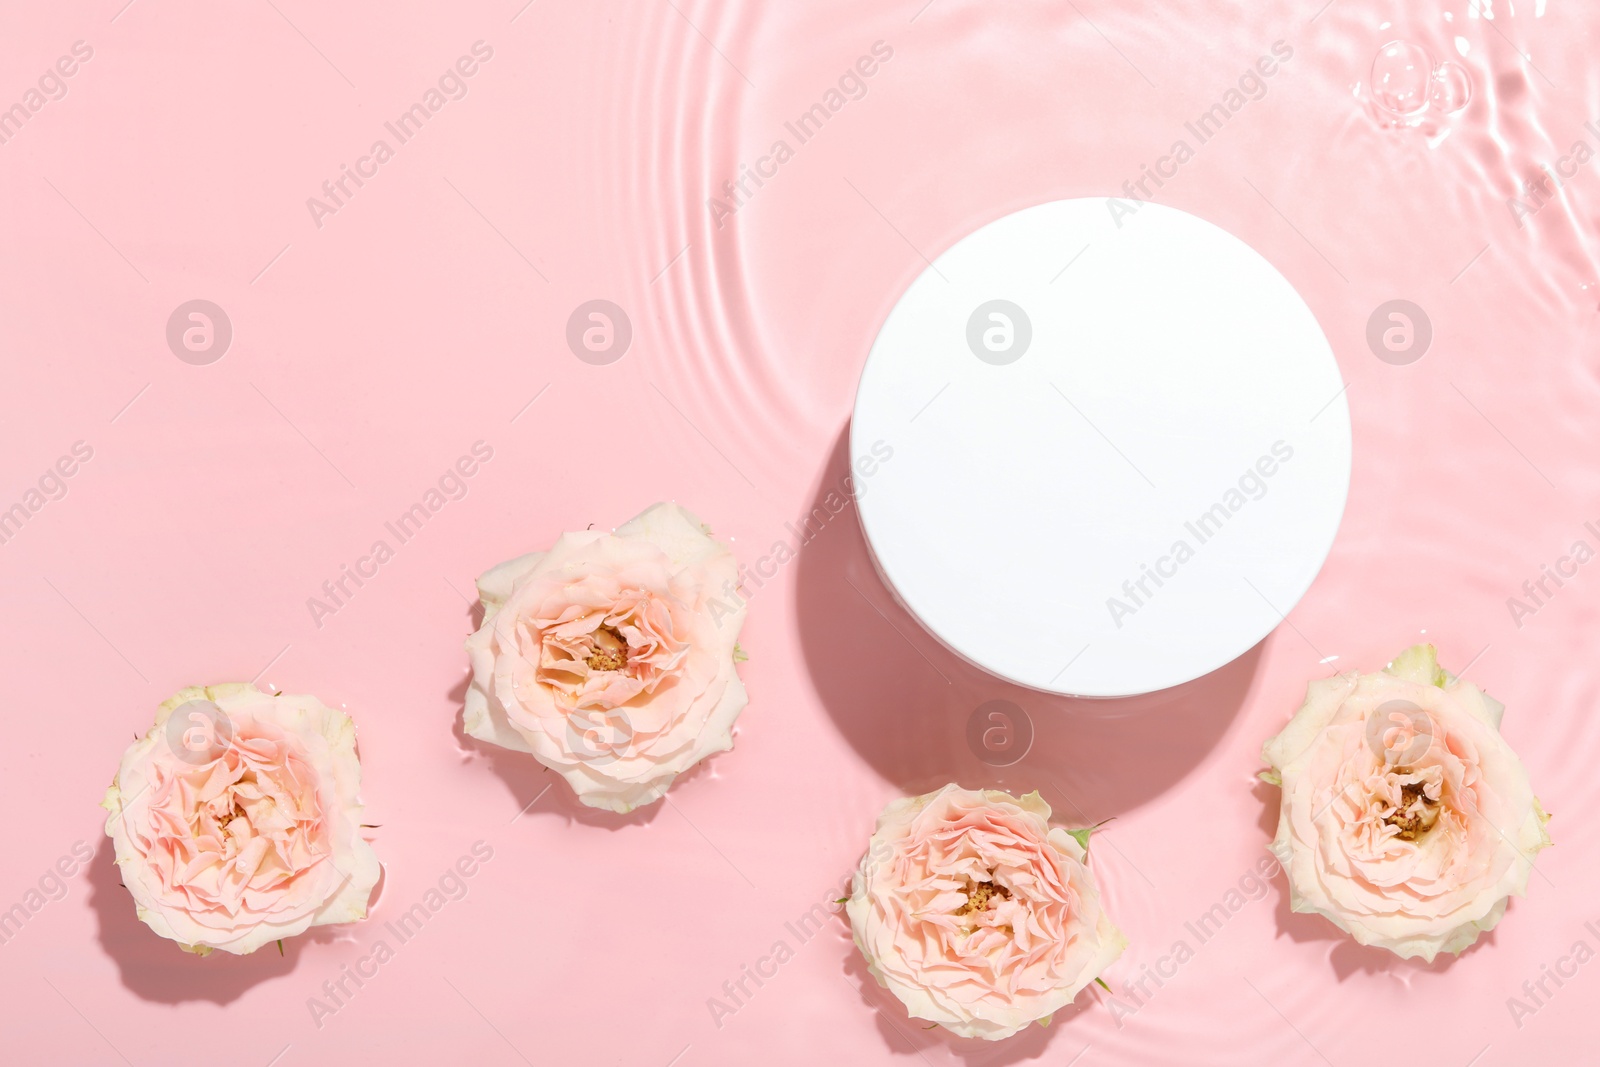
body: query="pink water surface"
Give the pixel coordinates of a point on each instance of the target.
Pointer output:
(376, 343)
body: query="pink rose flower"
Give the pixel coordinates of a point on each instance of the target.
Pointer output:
(611, 657)
(977, 914)
(236, 819)
(1406, 819)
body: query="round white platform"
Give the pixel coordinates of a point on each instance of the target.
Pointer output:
(1117, 455)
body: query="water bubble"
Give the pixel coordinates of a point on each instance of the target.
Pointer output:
(1450, 87)
(1402, 75)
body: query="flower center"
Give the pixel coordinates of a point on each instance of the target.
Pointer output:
(228, 817)
(1416, 813)
(610, 652)
(979, 894)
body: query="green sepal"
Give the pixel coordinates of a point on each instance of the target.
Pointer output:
(1082, 836)
(1420, 664)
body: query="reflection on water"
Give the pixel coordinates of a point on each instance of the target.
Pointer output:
(1435, 155)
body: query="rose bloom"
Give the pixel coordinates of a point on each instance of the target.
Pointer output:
(977, 914)
(611, 657)
(1406, 819)
(236, 819)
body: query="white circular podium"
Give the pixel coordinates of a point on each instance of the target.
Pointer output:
(1100, 448)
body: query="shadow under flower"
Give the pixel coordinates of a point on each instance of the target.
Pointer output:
(155, 969)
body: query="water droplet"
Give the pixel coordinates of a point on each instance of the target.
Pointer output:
(1450, 88)
(1401, 76)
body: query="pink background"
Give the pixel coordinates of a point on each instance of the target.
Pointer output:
(372, 351)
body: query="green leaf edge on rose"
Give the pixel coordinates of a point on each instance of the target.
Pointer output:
(1082, 836)
(1420, 664)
